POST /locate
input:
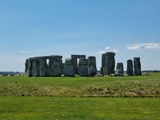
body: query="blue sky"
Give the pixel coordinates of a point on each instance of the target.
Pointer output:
(29, 28)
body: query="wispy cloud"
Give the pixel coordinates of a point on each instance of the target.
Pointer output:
(152, 46)
(107, 48)
(144, 45)
(133, 47)
(101, 52)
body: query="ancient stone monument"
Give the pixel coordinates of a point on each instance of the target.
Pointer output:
(37, 66)
(129, 67)
(53, 66)
(44, 66)
(92, 69)
(69, 68)
(83, 67)
(74, 59)
(119, 68)
(137, 66)
(109, 63)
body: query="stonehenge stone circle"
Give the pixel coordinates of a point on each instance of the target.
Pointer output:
(119, 68)
(92, 69)
(137, 66)
(129, 67)
(83, 67)
(69, 69)
(53, 66)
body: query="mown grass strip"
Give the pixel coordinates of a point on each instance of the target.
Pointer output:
(75, 108)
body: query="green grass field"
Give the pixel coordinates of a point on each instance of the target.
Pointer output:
(80, 98)
(75, 108)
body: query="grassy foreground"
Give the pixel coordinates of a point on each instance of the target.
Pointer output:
(80, 98)
(135, 86)
(75, 108)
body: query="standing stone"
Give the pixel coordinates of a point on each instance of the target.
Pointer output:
(137, 66)
(26, 65)
(29, 70)
(129, 67)
(43, 68)
(55, 66)
(69, 69)
(83, 67)
(35, 68)
(119, 68)
(103, 68)
(92, 69)
(110, 63)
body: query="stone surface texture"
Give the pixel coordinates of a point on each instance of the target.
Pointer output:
(83, 67)
(137, 66)
(92, 69)
(129, 67)
(110, 63)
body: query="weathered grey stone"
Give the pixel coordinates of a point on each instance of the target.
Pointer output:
(119, 68)
(74, 59)
(83, 67)
(35, 68)
(63, 64)
(137, 66)
(92, 69)
(44, 69)
(29, 70)
(129, 67)
(69, 69)
(26, 65)
(103, 67)
(55, 66)
(110, 63)
(78, 56)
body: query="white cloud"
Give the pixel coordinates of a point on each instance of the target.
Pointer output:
(133, 47)
(144, 45)
(107, 48)
(101, 52)
(152, 46)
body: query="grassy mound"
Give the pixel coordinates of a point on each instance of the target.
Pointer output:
(134, 86)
